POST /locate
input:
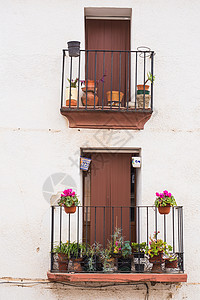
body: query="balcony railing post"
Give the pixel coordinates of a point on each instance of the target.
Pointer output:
(136, 57)
(86, 80)
(103, 79)
(119, 78)
(60, 225)
(62, 82)
(52, 235)
(79, 71)
(152, 56)
(128, 85)
(144, 80)
(111, 78)
(95, 71)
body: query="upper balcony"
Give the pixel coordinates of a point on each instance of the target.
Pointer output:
(107, 88)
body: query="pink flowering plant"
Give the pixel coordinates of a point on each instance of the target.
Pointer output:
(165, 199)
(157, 246)
(68, 198)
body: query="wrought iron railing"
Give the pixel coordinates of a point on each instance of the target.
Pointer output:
(91, 232)
(107, 80)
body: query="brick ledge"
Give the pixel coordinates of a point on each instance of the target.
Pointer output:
(116, 277)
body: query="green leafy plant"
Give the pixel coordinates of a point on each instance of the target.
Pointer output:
(77, 250)
(93, 255)
(150, 78)
(62, 248)
(139, 247)
(117, 241)
(68, 198)
(165, 199)
(126, 249)
(172, 257)
(157, 246)
(73, 82)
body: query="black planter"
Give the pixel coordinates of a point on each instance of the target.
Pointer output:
(138, 254)
(124, 264)
(139, 268)
(74, 48)
(96, 264)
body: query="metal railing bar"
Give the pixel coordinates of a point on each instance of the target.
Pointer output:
(173, 234)
(86, 80)
(70, 86)
(52, 235)
(60, 225)
(111, 78)
(165, 234)
(128, 84)
(119, 78)
(103, 79)
(62, 84)
(136, 81)
(95, 70)
(132, 206)
(144, 81)
(152, 55)
(79, 70)
(69, 230)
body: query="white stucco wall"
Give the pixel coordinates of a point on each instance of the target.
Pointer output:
(36, 141)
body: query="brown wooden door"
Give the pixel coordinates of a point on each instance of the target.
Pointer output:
(110, 187)
(108, 35)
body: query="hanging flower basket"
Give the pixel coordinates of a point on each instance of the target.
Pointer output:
(70, 210)
(69, 201)
(164, 201)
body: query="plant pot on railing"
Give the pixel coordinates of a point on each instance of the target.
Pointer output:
(164, 201)
(74, 48)
(116, 98)
(69, 201)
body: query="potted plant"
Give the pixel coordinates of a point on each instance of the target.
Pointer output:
(69, 201)
(116, 98)
(73, 48)
(91, 91)
(144, 89)
(63, 253)
(138, 253)
(73, 84)
(155, 250)
(108, 260)
(164, 201)
(77, 252)
(92, 259)
(171, 261)
(124, 262)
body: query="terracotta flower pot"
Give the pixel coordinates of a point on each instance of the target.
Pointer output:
(62, 262)
(171, 264)
(141, 87)
(70, 210)
(77, 265)
(90, 98)
(157, 261)
(164, 210)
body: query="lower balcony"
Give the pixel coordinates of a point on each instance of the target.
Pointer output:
(117, 244)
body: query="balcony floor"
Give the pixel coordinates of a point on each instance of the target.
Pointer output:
(117, 277)
(106, 118)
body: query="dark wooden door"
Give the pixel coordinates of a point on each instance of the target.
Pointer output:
(108, 35)
(110, 195)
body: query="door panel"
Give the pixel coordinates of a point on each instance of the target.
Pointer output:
(108, 35)
(110, 186)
